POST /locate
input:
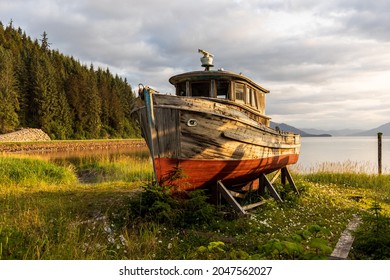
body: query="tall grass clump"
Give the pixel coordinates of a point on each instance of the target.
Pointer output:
(121, 168)
(30, 172)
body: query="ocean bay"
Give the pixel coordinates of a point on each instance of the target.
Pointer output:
(356, 154)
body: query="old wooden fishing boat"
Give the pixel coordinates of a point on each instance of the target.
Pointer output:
(213, 129)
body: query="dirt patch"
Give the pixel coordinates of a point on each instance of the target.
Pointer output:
(25, 135)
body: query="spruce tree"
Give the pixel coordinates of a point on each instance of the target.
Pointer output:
(93, 104)
(45, 95)
(9, 104)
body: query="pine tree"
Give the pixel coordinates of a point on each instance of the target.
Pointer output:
(46, 97)
(63, 121)
(63, 117)
(9, 104)
(26, 86)
(45, 42)
(93, 103)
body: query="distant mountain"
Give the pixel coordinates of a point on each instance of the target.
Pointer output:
(338, 132)
(289, 128)
(385, 129)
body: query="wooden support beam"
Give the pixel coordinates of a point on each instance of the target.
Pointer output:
(230, 199)
(261, 190)
(276, 176)
(253, 205)
(286, 175)
(271, 189)
(264, 184)
(237, 194)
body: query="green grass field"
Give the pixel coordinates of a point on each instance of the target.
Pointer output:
(96, 210)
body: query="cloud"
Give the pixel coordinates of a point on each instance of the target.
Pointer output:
(323, 61)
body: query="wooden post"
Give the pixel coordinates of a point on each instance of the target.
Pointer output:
(380, 153)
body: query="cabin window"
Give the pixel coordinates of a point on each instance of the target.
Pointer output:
(239, 92)
(222, 89)
(181, 89)
(200, 89)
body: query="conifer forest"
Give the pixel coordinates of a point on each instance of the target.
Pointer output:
(42, 88)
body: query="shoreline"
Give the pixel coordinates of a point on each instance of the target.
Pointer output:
(68, 145)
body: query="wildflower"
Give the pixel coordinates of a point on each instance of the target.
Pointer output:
(111, 239)
(265, 223)
(123, 240)
(107, 229)
(169, 245)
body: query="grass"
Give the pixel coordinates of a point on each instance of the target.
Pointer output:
(47, 213)
(129, 168)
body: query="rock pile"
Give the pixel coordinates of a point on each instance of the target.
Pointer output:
(25, 135)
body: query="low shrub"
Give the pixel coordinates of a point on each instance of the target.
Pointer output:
(372, 239)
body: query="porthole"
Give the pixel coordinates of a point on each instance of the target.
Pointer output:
(192, 122)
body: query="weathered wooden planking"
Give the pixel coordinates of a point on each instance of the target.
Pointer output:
(206, 140)
(259, 141)
(167, 132)
(213, 105)
(344, 244)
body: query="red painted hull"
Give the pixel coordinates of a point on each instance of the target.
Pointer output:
(196, 174)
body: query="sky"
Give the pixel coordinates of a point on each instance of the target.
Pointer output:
(326, 63)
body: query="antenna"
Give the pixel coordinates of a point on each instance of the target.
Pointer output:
(207, 59)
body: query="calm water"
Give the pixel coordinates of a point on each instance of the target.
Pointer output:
(359, 154)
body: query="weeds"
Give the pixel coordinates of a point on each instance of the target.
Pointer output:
(158, 204)
(304, 244)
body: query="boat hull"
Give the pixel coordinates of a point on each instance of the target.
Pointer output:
(195, 142)
(191, 174)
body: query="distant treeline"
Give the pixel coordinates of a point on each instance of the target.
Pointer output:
(42, 88)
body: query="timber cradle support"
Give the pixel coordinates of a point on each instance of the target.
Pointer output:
(264, 185)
